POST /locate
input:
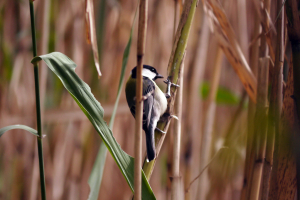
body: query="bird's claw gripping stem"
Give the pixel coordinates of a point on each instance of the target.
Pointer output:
(174, 116)
(163, 132)
(169, 84)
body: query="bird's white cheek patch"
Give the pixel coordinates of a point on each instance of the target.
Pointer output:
(148, 73)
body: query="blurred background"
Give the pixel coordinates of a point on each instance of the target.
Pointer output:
(71, 143)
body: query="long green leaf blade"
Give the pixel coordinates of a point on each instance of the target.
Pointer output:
(64, 68)
(97, 171)
(18, 126)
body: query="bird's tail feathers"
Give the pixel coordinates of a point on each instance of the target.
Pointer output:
(150, 143)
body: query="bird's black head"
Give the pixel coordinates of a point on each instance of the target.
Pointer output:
(148, 71)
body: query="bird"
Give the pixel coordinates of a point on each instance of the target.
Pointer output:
(155, 103)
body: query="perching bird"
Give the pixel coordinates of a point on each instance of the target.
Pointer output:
(155, 103)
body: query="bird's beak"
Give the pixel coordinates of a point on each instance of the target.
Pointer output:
(159, 76)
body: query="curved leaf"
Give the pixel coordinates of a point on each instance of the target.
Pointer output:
(64, 68)
(97, 171)
(18, 126)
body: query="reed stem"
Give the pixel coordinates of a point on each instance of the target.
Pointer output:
(139, 103)
(38, 105)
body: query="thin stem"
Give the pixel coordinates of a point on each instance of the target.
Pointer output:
(203, 183)
(38, 105)
(193, 131)
(139, 103)
(260, 128)
(177, 192)
(264, 52)
(251, 112)
(276, 106)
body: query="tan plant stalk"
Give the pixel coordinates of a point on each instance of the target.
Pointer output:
(276, 103)
(91, 32)
(171, 132)
(249, 161)
(177, 187)
(203, 185)
(142, 28)
(260, 127)
(264, 52)
(193, 130)
(228, 42)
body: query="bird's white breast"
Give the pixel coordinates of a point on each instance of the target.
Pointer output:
(161, 100)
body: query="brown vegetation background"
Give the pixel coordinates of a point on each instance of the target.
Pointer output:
(71, 143)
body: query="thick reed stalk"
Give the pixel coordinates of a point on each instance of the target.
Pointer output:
(260, 127)
(38, 105)
(177, 189)
(143, 12)
(276, 104)
(264, 52)
(251, 112)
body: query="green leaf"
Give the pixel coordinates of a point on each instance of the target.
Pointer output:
(17, 126)
(64, 68)
(97, 171)
(224, 96)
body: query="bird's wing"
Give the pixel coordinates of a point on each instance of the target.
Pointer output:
(148, 97)
(148, 94)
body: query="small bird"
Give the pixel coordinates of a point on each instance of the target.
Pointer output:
(155, 103)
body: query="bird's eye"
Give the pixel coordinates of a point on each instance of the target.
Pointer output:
(152, 70)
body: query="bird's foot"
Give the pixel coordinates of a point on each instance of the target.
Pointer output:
(169, 84)
(163, 132)
(174, 116)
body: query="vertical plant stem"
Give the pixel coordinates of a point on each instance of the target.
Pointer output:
(143, 10)
(170, 136)
(260, 127)
(276, 103)
(251, 112)
(264, 52)
(38, 106)
(177, 190)
(206, 141)
(193, 131)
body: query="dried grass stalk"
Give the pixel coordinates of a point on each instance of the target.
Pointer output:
(91, 32)
(276, 105)
(229, 44)
(260, 128)
(206, 141)
(142, 29)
